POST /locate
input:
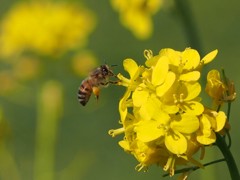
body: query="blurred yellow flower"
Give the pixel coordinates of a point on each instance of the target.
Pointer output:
(26, 68)
(83, 63)
(164, 121)
(136, 15)
(19, 71)
(45, 28)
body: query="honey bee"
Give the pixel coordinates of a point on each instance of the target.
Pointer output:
(98, 78)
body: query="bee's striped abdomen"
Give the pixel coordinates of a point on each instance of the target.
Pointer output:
(84, 92)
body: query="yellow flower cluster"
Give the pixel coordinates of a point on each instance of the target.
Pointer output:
(46, 28)
(163, 118)
(136, 15)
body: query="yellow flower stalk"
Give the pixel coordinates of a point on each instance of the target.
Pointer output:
(164, 120)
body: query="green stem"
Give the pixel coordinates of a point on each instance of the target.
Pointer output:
(49, 113)
(232, 167)
(187, 19)
(226, 82)
(194, 168)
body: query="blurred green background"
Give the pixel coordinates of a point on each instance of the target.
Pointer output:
(46, 134)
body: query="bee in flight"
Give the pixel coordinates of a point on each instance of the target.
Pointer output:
(99, 77)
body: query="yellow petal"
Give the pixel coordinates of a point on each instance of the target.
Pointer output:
(170, 109)
(220, 121)
(215, 88)
(193, 90)
(185, 124)
(148, 131)
(206, 140)
(176, 143)
(192, 107)
(148, 109)
(123, 106)
(190, 59)
(170, 79)
(173, 56)
(205, 125)
(160, 71)
(139, 97)
(209, 57)
(130, 66)
(190, 76)
(205, 135)
(122, 111)
(152, 61)
(125, 145)
(162, 117)
(213, 74)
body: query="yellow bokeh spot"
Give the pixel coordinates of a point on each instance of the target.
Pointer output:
(136, 15)
(83, 63)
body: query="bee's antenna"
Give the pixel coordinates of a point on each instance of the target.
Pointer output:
(113, 65)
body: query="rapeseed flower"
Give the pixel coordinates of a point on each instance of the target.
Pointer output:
(45, 27)
(164, 120)
(136, 15)
(220, 89)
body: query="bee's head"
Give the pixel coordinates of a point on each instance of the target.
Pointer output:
(106, 71)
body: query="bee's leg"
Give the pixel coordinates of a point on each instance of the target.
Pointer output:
(113, 82)
(104, 83)
(96, 92)
(109, 82)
